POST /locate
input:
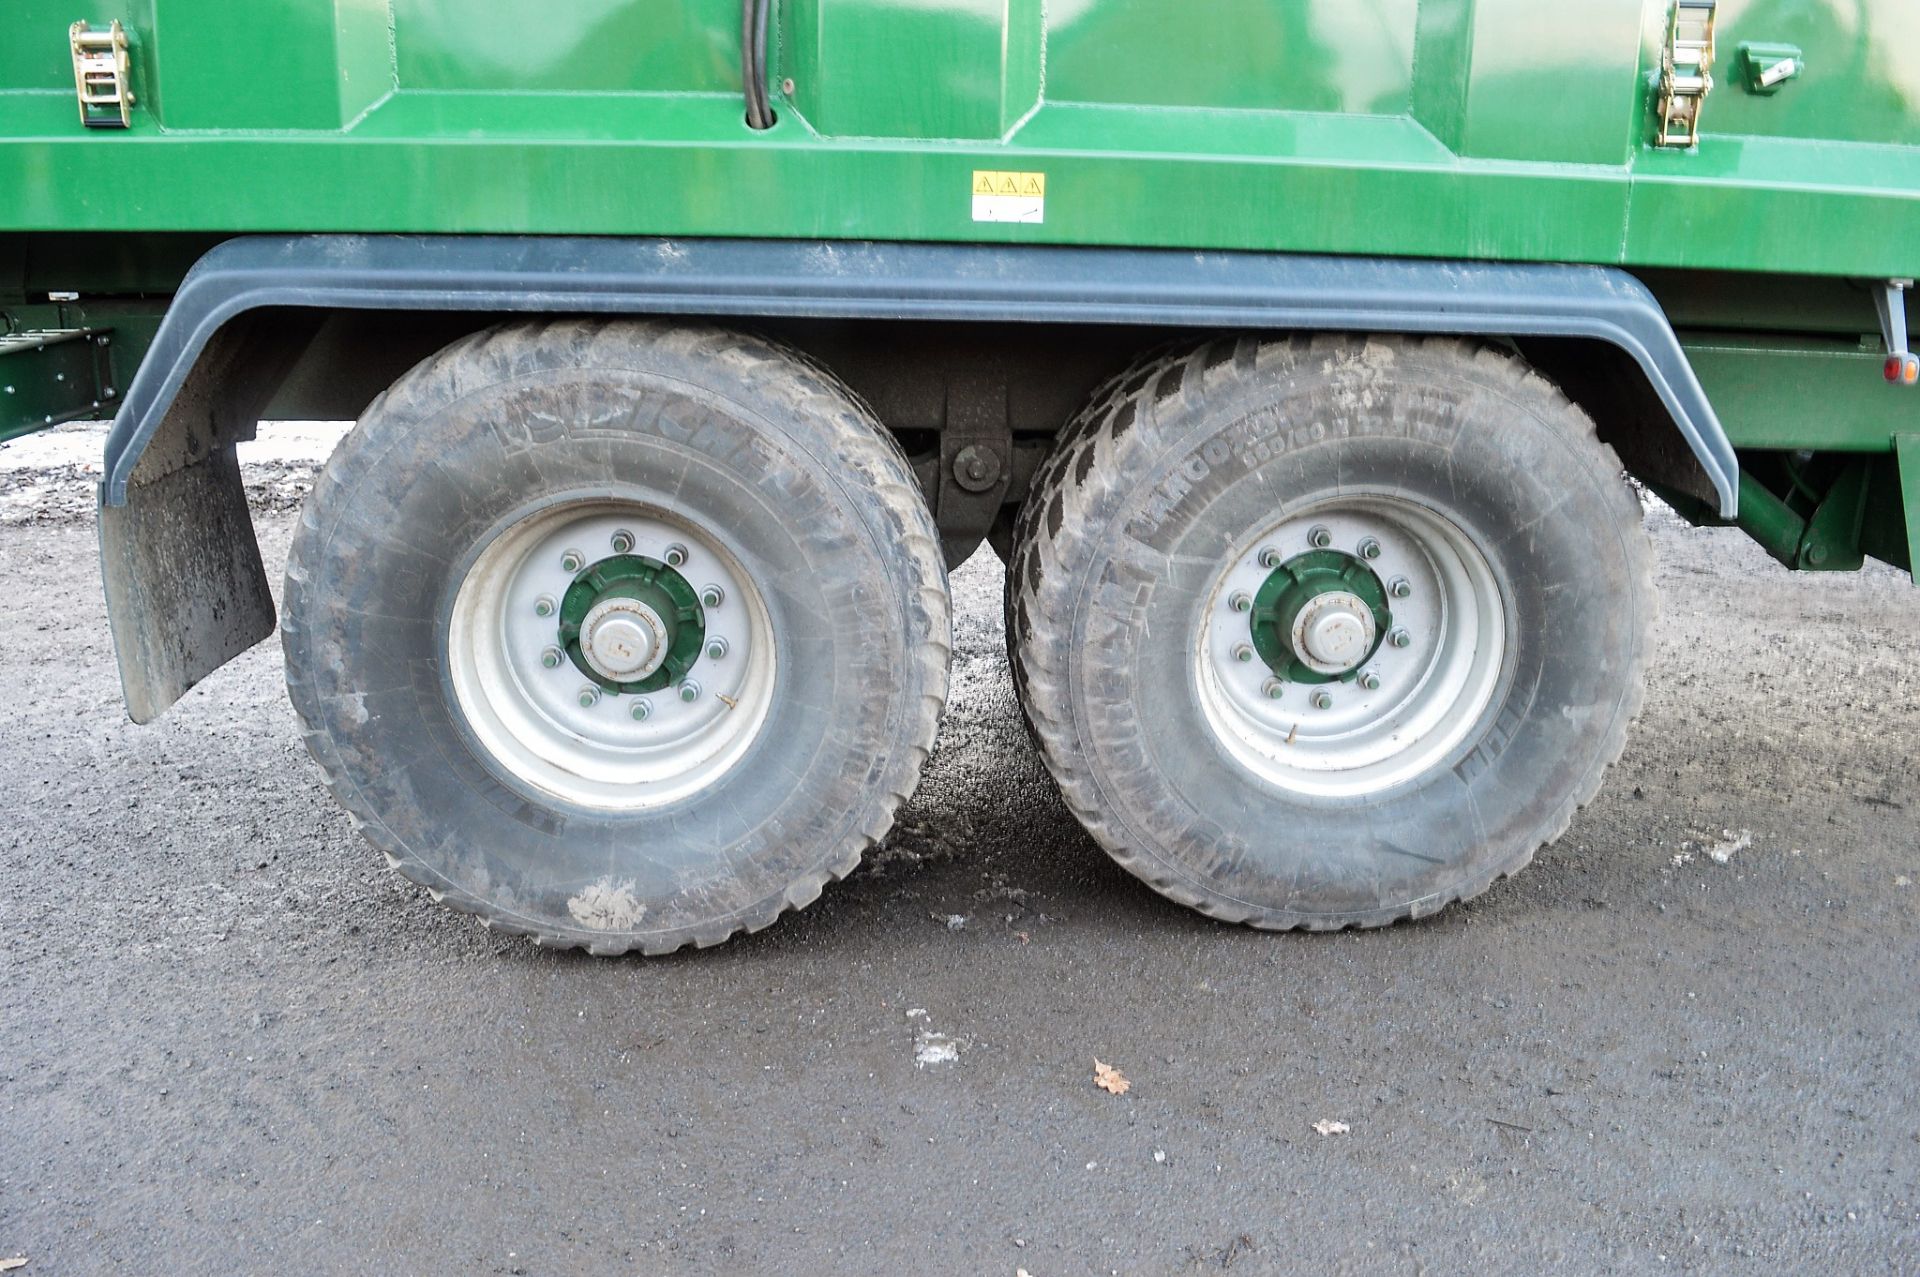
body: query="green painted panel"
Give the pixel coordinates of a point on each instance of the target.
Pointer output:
(585, 46)
(1459, 128)
(1241, 54)
(1861, 76)
(1829, 396)
(928, 69)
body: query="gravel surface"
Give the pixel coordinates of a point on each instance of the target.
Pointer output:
(231, 1041)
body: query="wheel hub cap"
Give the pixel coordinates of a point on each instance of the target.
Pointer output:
(623, 639)
(1319, 616)
(1334, 632)
(632, 623)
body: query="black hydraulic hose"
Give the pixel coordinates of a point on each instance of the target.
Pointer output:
(760, 62)
(753, 61)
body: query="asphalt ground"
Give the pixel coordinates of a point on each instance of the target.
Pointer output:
(232, 1042)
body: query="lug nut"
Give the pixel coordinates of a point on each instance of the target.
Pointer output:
(1323, 699)
(1399, 638)
(589, 697)
(1400, 587)
(1241, 601)
(1270, 558)
(716, 647)
(1320, 537)
(1370, 681)
(1242, 653)
(572, 561)
(1369, 548)
(622, 541)
(676, 555)
(552, 657)
(1273, 689)
(543, 606)
(713, 596)
(689, 691)
(640, 710)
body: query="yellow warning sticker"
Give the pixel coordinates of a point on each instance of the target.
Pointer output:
(1009, 197)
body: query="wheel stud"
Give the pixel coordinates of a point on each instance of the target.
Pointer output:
(589, 697)
(1399, 638)
(712, 596)
(1273, 689)
(572, 561)
(622, 541)
(1370, 681)
(1320, 537)
(1400, 587)
(716, 647)
(551, 658)
(640, 711)
(676, 555)
(1270, 558)
(543, 606)
(1323, 699)
(1241, 601)
(1369, 548)
(1242, 653)
(689, 691)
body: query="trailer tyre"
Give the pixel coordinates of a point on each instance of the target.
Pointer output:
(621, 635)
(1329, 631)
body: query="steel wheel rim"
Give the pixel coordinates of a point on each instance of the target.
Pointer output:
(1341, 738)
(626, 750)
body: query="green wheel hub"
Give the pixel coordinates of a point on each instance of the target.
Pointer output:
(649, 597)
(1297, 585)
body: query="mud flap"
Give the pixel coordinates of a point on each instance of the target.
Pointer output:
(186, 590)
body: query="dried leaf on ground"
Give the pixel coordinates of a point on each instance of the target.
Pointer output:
(1108, 1078)
(8, 1265)
(1327, 1126)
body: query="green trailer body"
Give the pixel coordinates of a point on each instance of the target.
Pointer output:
(1746, 172)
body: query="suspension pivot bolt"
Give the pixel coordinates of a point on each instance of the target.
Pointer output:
(589, 697)
(1273, 689)
(676, 555)
(1400, 587)
(1270, 558)
(1399, 638)
(622, 541)
(1369, 548)
(543, 606)
(640, 711)
(1323, 699)
(1241, 601)
(572, 561)
(713, 596)
(551, 658)
(1370, 681)
(1242, 653)
(689, 691)
(1320, 536)
(716, 647)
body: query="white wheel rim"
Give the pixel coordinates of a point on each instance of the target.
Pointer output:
(1432, 691)
(528, 715)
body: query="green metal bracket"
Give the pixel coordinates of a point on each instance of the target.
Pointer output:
(1832, 539)
(1765, 67)
(1906, 450)
(1825, 539)
(54, 376)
